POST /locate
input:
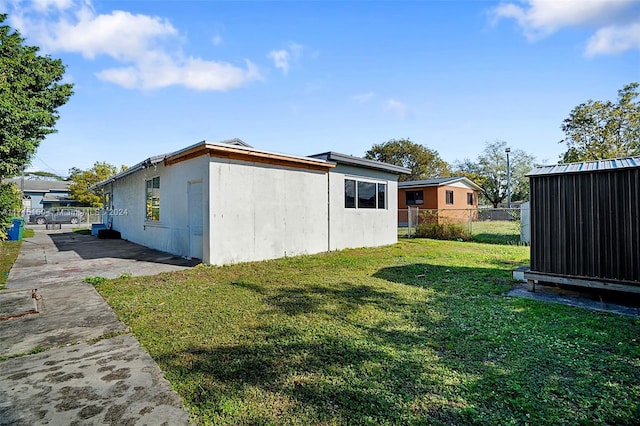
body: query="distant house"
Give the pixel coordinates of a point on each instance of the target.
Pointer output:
(43, 194)
(226, 202)
(456, 194)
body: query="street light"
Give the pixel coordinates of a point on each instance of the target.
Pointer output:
(508, 150)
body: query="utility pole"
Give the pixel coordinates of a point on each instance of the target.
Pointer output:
(508, 150)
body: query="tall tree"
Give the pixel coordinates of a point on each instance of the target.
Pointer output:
(30, 95)
(489, 171)
(598, 130)
(82, 180)
(424, 162)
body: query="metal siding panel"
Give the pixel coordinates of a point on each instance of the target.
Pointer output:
(587, 224)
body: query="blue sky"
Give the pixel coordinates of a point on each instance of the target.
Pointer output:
(306, 77)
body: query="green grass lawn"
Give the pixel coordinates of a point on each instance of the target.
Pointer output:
(8, 253)
(416, 333)
(496, 232)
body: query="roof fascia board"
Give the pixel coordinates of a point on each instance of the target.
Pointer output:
(362, 162)
(240, 153)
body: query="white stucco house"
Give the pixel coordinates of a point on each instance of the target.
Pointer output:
(227, 202)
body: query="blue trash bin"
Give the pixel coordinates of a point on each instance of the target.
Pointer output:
(13, 232)
(18, 223)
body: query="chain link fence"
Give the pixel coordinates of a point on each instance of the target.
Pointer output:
(489, 225)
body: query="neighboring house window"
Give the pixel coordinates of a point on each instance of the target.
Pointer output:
(153, 199)
(469, 198)
(449, 197)
(414, 198)
(364, 195)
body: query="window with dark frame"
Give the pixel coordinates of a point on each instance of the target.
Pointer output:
(449, 197)
(364, 194)
(153, 199)
(350, 193)
(382, 195)
(414, 198)
(469, 198)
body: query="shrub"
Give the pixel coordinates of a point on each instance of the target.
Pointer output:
(442, 231)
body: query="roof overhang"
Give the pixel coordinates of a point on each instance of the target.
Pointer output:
(241, 153)
(235, 150)
(361, 162)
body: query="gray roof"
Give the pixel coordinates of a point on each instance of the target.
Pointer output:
(32, 185)
(236, 143)
(442, 181)
(361, 162)
(141, 165)
(587, 166)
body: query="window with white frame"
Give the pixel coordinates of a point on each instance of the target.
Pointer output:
(363, 194)
(153, 199)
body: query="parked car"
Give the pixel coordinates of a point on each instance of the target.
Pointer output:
(57, 216)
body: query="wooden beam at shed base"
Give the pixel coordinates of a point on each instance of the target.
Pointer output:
(534, 278)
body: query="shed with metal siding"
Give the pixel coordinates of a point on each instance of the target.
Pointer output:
(585, 224)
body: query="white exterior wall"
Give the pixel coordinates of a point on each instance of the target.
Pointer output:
(171, 233)
(351, 228)
(261, 212)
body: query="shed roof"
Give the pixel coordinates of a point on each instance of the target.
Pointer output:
(442, 181)
(587, 166)
(361, 162)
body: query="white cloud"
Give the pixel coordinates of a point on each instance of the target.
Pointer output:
(120, 35)
(612, 40)
(280, 60)
(141, 44)
(363, 97)
(43, 5)
(541, 18)
(396, 107)
(292, 53)
(192, 73)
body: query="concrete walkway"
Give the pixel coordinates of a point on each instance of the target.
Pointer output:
(74, 362)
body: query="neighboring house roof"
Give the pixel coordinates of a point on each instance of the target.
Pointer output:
(361, 162)
(447, 181)
(44, 186)
(587, 166)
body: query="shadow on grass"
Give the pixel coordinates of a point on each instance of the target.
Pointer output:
(345, 370)
(451, 351)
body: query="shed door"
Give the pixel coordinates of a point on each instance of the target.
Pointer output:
(196, 219)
